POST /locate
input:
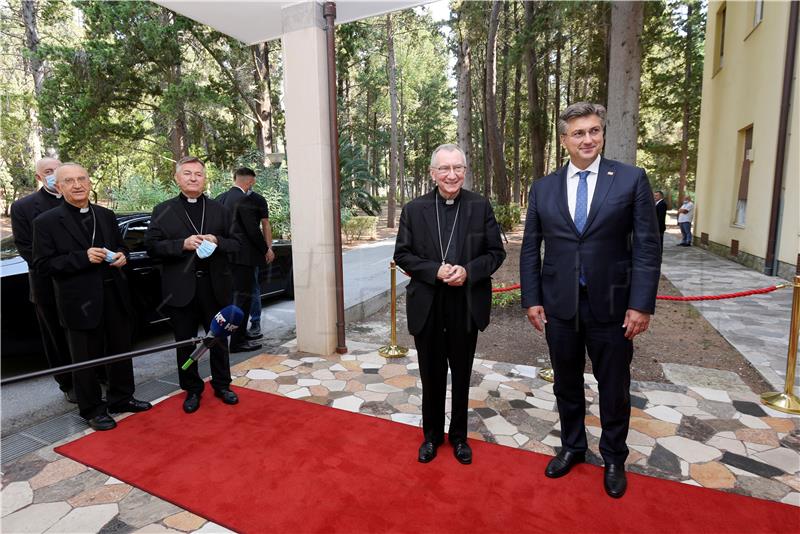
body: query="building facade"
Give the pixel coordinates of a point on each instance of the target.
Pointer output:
(744, 143)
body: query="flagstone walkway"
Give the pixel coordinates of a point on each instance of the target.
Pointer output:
(706, 429)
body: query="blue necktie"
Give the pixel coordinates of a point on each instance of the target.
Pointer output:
(581, 201)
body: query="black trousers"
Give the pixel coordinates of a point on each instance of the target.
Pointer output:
(54, 339)
(112, 336)
(185, 320)
(242, 297)
(611, 355)
(448, 339)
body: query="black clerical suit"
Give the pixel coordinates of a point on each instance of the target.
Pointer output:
(92, 299)
(247, 215)
(443, 319)
(194, 289)
(23, 212)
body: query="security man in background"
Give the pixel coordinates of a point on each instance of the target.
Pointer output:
(79, 245)
(193, 235)
(252, 254)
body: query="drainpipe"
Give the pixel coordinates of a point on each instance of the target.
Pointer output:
(329, 12)
(770, 261)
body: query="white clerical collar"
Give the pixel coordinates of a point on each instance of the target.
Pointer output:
(593, 167)
(53, 193)
(192, 200)
(84, 210)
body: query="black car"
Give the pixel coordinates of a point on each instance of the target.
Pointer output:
(20, 330)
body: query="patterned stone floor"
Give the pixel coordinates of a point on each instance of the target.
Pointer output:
(706, 429)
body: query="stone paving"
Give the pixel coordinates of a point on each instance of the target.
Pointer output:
(757, 326)
(706, 429)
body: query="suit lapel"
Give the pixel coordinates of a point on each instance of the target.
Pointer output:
(180, 212)
(429, 214)
(563, 204)
(72, 227)
(605, 179)
(464, 218)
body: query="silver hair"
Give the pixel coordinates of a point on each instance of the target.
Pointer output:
(65, 166)
(188, 159)
(448, 147)
(580, 109)
(42, 162)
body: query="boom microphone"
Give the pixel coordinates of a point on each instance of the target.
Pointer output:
(224, 323)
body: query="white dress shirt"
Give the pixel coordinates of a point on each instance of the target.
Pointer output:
(572, 184)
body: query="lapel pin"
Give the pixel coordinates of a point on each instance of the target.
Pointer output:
(610, 173)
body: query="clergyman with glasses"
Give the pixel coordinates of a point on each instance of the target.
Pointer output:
(595, 288)
(79, 246)
(448, 241)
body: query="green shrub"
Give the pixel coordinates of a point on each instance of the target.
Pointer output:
(506, 299)
(360, 226)
(507, 216)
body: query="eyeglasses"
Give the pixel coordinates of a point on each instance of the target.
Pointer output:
(444, 170)
(578, 135)
(83, 180)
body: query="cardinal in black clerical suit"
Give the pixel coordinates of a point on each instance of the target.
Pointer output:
(448, 241)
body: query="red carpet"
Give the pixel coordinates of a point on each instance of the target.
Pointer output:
(272, 464)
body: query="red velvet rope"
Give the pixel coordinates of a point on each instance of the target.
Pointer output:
(758, 291)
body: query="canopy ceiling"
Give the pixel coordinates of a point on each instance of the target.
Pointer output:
(254, 21)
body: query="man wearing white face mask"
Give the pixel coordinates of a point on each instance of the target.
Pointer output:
(23, 212)
(193, 235)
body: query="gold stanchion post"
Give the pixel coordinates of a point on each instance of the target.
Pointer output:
(546, 374)
(786, 400)
(393, 350)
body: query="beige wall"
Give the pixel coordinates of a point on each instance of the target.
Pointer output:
(744, 91)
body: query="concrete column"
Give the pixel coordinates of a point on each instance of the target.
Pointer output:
(308, 148)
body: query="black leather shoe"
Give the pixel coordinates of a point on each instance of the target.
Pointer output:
(462, 452)
(615, 481)
(252, 336)
(70, 396)
(132, 405)
(427, 452)
(192, 402)
(102, 422)
(562, 463)
(227, 396)
(247, 346)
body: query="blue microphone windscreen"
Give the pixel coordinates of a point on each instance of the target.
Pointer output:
(226, 321)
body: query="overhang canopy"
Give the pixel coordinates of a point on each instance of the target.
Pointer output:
(255, 21)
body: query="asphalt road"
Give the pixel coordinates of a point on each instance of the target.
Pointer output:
(366, 283)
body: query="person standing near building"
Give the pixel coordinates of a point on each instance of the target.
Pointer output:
(79, 245)
(448, 241)
(23, 212)
(266, 229)
(193, 235)
(595, 288)
(661, 214)
(685, 216)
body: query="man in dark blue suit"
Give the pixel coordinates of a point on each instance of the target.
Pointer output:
(595, 289)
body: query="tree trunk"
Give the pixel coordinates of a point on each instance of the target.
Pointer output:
(464, 92)
(179, 145)
(624, 81)
(401, 149)
(537, 117)
(35, 68)
(687, 78)
(493, 133)
(558, 149)
(263, 102)
(393, 164)
(515, 129)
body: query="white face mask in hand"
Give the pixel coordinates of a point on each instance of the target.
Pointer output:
(205, 249)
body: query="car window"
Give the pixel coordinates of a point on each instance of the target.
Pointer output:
(8, 249)
(134, 235)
